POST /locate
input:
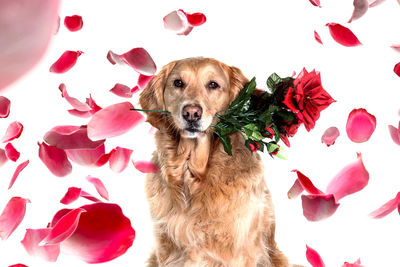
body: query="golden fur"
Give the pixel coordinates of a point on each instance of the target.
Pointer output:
(209, 208)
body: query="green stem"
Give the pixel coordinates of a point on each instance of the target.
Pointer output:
(150, 110)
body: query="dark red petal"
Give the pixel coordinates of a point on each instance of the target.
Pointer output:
(306, 183)
(317, 38)
(196, 19)
(72, 194)
(145, 166)
(3, 157)
(31, 244)
(18, 265)
(13, 131)
(343, 35)
(80, 114)
(315, 3)
(55, 160)
(113, 121)
(397, 69)
(121, 90)
(75, 103)
(140, 60)
(144, 80)
(114, 58)
(394, 133)
(12, 216)
(65, 62)
(360, 125)
(11, 153)
(19, 169)
(314, 258)
(4, 107)
(98, 184)
(360, 8)
(86, 157)
(104, 158)
(330, 135)
(318, 207)
(373, 3)
(73, 23)
(119, 159)
(386, 208)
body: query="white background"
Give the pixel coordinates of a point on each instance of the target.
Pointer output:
(259, 37)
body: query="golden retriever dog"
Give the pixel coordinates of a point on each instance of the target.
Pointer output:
(209, 208)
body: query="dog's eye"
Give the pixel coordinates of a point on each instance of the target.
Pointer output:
(178, 83)
(213, 85)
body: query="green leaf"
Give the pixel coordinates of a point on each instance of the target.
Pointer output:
(282, 154)
(272, 81)
(272, 147)
(226, 142)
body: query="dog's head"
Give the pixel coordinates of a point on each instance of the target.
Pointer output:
(193, 90)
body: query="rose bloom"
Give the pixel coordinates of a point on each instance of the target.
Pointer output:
(308, 98)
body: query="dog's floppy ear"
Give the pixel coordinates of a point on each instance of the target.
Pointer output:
(152, 96)
(237, 82)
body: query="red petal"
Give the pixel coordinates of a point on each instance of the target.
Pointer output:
(13, 131)
(315, 3)
(55, 160)
(92, 104)
(386, 208)
(19, 169)
(351, 179)
(360, 125)
(355, 264)
(306, 183)
(318, 207)
(314, 258)
(86, 157)
(145, 166)
(394, 133)
(196, 19)
(121, 90)
(175, 21)
(343, 35)
(330, 135)
(98, 184)
(12, 216)
(119, 159)
(135, 89)
(71, 137)
(317, 38)
(113, 121)
(64, 228)
(80, 114)
(75, 103)
(140, 60)
(65, 62)
(373, 3)
(143, 80)
(397, 69)
(360, 8)
(18, 265)
(4, 107)
(73, 23)
(11, 152)
(31, 244)
(3, 157)
(72, 194)
(114, 58)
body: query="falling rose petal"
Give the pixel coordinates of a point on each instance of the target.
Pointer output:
(80, 114)
(11, 153)
(114, 58)
(12, 216)
(90, 197)
(386, 208)
(360, 125)
(5, 104)
(374, 3)
(330, 135)
(135, 89)
(396, 47)
(145, 166)
(315, 3)
(57, 27)
(343, 35)
(360, 8)
(295, 190)
(98, 184)
(397, 69)
(175, 21)
(140, 60)
(13, 131)
(121, 90)
(71, 137)
(113, 121)
(318, 207)
(72, 194)
(143, 80)
(196, 19)
(92, 104)
(18, 265)
(351, 179)
(31, 244)
(18, 170)
(73, 23)
(86, 157)
(3, 157)
(104, 158)
(65, 62)
(317, 38)
(306, 183)
(103, 233)
(119, 159)
(55, 160)
(394, 133)
(357, 263)
(75, 103)
(314, 258)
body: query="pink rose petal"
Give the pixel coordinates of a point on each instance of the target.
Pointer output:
(11, 153)
(121, 90)
(13, 131)
(31, 244)
(176, 21)
(330, 135)
(196, 19)
(343, 35)
(357, 263)
(75, 103)
(90, 197)
(394, 133)
(5, 104)
(396, 47)
(318, 207)
(386, 208)
(314, 258)
(397, 69)
(72, 194)
(295, 190)
(57, 27)
(114, 58)
(55, 160)
(351, 179)
(140, 60)
(3, 157)
(71, 137)
(306, 183)
(92, 104)
(18, 170)
(65, 62)
(86, 157)
(98, 184)
(360, 8)
(135, 89)
(119, 159)
(80, 114)
(145, 166)
(73, 23)
(113, 121)
(104, 158)
(143, 80)
(315, 3)
(360, 125)
(317, 38)
(12, 216)
(374, 3)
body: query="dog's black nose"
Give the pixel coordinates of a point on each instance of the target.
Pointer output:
(192, 112)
